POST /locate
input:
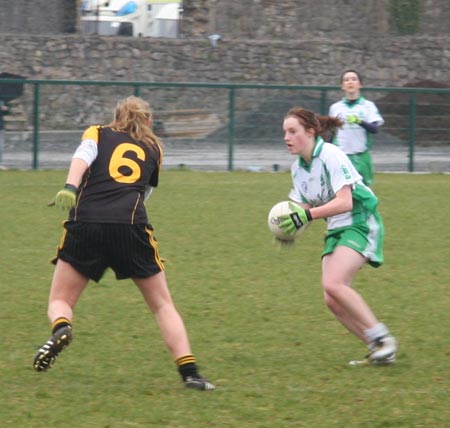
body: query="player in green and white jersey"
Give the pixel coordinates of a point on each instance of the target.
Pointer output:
(326, 185)
(361, 121)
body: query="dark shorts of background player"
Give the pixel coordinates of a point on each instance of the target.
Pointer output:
(130, 250)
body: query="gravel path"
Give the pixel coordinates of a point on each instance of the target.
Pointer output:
(200, 155)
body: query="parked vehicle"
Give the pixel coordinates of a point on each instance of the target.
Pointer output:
(137, 18)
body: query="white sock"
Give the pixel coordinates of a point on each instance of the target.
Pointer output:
(374, 333)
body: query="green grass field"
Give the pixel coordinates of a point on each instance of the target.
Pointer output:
(255, 314)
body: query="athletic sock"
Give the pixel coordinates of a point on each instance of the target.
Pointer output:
(60, 322)
(187, 366)
(375, 333)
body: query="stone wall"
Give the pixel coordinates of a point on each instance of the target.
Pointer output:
(263, 42)
(293, 19)
(384, 61)
(254, 19)
(39, 16)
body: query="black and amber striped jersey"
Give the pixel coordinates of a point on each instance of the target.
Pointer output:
(112, 189)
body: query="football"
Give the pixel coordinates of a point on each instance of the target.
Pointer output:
(279, 209)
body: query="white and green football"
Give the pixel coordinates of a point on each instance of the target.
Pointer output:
(279, 209)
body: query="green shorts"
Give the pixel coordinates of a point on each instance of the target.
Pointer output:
(363, 164)
(366, 239)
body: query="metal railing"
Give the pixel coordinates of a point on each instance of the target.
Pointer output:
(238, 101)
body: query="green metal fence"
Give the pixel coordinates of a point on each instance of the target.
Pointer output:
(234, 115)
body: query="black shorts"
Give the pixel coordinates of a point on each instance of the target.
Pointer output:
(130, 250)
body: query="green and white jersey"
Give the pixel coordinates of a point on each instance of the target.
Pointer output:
(329, 171)
(353, 138)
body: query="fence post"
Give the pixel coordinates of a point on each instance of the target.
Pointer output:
(323, 102)
(231, 101)
(36, 126)
(412, 131)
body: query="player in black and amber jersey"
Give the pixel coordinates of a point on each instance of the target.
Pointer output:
(112, 173)
(112, 189)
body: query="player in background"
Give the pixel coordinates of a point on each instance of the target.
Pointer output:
(325, 185)
(361, 121)
(112, 173)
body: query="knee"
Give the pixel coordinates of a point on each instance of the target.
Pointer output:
(331, 289)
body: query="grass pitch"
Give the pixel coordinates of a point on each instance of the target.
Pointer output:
(255, 314)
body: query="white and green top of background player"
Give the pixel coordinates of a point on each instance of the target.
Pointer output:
(361, 121)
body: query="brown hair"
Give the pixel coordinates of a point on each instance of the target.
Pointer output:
(323, 126)
(351, 71)
(134, 116)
